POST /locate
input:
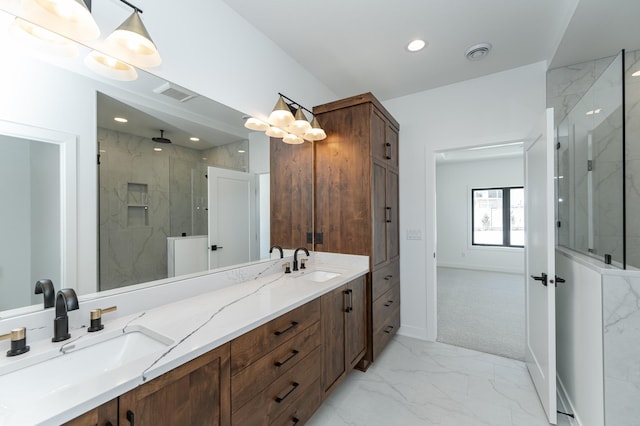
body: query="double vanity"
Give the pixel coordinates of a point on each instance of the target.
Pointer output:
(250, 345)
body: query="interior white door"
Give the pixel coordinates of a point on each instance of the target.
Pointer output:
(540, 264)
(233, 230)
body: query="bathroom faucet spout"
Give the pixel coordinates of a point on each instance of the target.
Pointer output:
(45, 287)
(66, 300)
(295, 257)
(278, 248)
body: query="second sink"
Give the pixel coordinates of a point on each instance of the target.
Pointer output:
(319, 276)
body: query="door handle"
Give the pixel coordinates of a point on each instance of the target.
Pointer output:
(542, 278)
(215, 247)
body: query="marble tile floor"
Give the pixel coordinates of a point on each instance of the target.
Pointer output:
(415, 382)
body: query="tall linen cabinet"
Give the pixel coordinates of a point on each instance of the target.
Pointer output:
(356, 203)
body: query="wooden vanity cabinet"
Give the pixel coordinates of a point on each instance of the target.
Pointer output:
(104, 415)
(196, 393)
(343, 330)
(357, 200)
(275, 370)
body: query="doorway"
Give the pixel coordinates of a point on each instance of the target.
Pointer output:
(480, 266)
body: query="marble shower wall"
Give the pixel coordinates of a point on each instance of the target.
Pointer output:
(147, 196)
(567, 85)
(621, 324)
(632, 157)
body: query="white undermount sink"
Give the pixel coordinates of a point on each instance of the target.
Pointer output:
(319, 276)
(79, 361)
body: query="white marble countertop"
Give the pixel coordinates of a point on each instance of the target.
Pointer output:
(196, 325)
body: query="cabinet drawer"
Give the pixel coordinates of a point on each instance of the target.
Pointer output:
(384, 278)
(271, 403)
(385, 306)
(302, 408)
(382, 335)
(257, 376)
(252, 345)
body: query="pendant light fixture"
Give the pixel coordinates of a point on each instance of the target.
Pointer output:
(281, 115)
(70, 18)
(42, 41)
(283, 124)
(132, 43)
(109, 67)
(315, 133)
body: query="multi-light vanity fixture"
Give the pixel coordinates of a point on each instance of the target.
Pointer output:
(129, 45)
(282, 123)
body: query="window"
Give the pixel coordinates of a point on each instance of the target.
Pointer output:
(498, 217)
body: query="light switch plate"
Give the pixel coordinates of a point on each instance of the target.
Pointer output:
(414, 234)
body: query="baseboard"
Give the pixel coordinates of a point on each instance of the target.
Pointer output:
(487, 268)
(414, 332)
(567, 406)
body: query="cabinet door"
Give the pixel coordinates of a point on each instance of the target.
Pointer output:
(379, 215)
(393, 223)
(333, 307)
(106, 414)
(196, 393)
(391, 137)
(355, 334)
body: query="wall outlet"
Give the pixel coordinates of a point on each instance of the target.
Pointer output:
(414, 234)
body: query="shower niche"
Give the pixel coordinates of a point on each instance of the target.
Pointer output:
(137, 204)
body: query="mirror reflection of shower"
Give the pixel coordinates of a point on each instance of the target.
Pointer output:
(154, 201)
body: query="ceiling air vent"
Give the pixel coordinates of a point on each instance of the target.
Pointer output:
(477, 51)
(174, 91)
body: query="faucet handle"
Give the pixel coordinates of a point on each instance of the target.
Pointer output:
(96, 318)
(287, 267)
(302, 265)
(18, 341)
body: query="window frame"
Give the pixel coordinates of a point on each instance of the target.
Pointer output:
(506, 216)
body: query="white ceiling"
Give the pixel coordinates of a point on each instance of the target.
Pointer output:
(358, 46)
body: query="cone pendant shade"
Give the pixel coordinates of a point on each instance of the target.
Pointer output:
(132, 43)
(71, 18)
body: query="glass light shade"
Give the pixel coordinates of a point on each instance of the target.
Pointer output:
(109, 67)
(281, 115)
(292, 139)
(300, 125)
(71, 18)
(315, 133)
(132, 43)
(276, 132)
(42, 41)
(255, 124)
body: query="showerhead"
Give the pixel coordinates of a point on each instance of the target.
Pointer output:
(161, 139)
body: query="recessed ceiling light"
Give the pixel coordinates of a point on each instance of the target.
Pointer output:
(477, 51)
(636, 74)
(416, 45)
(157, 149)
(194, 139)
(204, 158)
(241, 151)
(120, 119)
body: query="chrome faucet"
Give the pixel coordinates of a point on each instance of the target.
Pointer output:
(45, 287)
(279, 248)
(295, 257)
(66, 300)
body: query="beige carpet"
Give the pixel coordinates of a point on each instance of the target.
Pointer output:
(482, 310)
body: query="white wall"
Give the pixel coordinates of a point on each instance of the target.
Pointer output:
(497, 108)
(579, 363)
(454, 182)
